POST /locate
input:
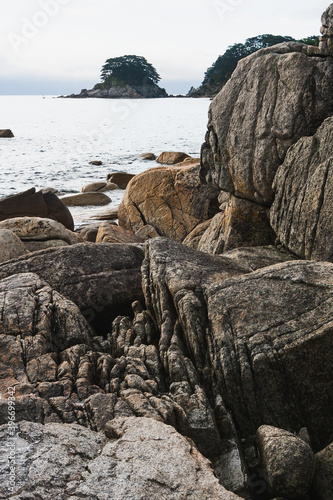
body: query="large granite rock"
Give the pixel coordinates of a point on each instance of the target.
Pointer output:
(274, 97)
(302, 213)
(171, 157)
(30, 203)
(326, 41)
(171, 199)
(288, 461)
(110, 233)
(102, 279)
(140, 458)
(86, 199)
(267, 361)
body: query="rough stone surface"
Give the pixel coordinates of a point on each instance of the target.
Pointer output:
(122, 92)
(141, 459)
(274, 97)
(323, 480)
(11, 246)
(326, 41)
(102, 279)
(302, 214)
(148, 156)
(288, 461)
(254, 258)
(171, 158)
(30, 203)
(99, 187)
(120, 178)
(267, 361)
(146, 232)
(243, 223)
(171, 199)
(37, 233)
(110, 233)
(86, 199)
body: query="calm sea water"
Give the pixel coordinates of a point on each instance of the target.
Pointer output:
(56, 138)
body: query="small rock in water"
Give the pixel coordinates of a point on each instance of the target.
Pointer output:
(86, 199)
(148, 156)
(120, 178)
(97, 163)
(7, 133)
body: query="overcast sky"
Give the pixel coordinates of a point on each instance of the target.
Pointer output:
(59, 46)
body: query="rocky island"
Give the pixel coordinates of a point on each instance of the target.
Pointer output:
(126, 77)
(194, 361)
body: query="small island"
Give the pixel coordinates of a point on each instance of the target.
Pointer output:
(127, 77)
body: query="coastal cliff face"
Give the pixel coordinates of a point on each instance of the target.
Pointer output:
(161, 371)
(114, 91)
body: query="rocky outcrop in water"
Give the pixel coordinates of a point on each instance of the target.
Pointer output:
(122, 91)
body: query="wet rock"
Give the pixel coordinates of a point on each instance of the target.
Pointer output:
(97, 163)
(102, 279)
(110, 233)
(86, 199)
(173, 203)
(171, 158)
(120, 178)
(11, 246)
(160, 463)
(274, 97)
(288, 461)
(99, 187)
(301, 213)
(7, 133)
(148, 156)
(30, 203)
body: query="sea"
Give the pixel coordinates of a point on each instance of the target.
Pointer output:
(56, 138)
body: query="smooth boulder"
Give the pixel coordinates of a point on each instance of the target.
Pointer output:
(120, 178)
(302, 214)
(30, 203)
(7, 133)
(111, 233)
(171, 157)
(171, 199)
(86, 199)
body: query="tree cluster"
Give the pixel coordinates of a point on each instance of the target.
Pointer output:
(129, 70)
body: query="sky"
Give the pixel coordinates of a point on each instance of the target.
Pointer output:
(59, 46)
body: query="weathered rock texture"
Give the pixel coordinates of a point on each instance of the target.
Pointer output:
(274, 97)
(120, 178)
(140, 459)
(288, 461)
(326, 41)
(122, 92)
(242, 223)
(30, 203)
(267, 360)
(302, 214)
(102, 279)
(37, 233)
(323, 480)
(110, 233)
(171, 199)
(11, 246)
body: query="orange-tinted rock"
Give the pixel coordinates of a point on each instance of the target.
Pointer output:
(110, 233)
(171, 157)
(171, 199)
(119, 178)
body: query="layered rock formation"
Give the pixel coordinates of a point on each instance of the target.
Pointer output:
(169, 355)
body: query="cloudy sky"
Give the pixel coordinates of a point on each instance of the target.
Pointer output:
(59, 46)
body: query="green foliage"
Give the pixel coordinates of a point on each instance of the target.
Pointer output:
(221, 70)
(131, 70)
